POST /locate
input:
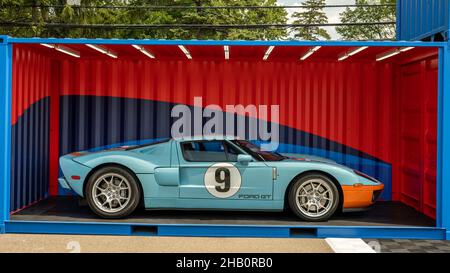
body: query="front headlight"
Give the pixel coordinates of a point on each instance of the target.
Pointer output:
(365, 176)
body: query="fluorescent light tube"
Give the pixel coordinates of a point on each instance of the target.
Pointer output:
(404, 49)
(387, 55)
(186, 52)
(227, 52)
(64, 50)
(68, 51)
(357, 50)
(103, 50)
(144, 51)
(343, 57)
(48, 45)
(392, 53)
(268, 51)
(310, 52)
(350, 53)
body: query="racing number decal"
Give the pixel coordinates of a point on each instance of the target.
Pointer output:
(222, 180)
(223, 177)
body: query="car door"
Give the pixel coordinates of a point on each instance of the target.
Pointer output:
(209, 169)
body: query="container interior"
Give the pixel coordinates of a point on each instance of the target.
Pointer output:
(379, 117)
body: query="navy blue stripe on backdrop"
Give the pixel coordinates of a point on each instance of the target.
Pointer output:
(95, 122)
(30, 155)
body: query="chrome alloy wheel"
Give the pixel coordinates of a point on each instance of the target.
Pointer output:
(314, 198)
(111, 192)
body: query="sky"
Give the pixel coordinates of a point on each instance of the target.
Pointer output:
(332, 13)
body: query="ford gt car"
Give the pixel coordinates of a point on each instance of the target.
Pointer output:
(214, 174)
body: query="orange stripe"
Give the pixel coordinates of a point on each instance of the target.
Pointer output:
(359, 196)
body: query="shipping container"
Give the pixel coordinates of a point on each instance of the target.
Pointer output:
(423, 20)
(378, 107)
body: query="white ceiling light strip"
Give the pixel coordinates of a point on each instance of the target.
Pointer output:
(404, 49)
(310, 52)
(144, 51)
(103, 50)
(48, 45)
(64, 50)
(268, 51)
(226, 49)
(392, 53)
(186, 52)
(352, 53)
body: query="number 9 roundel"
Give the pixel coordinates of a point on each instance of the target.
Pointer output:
(222, 180)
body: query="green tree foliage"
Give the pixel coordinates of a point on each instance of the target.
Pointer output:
(314, 14)
(69, 14)
(368, 15)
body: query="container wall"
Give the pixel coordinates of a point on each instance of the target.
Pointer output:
(30, 127)
(377, 117)
(416, 101)
(323, 110)
(5, 129)
(420, 19)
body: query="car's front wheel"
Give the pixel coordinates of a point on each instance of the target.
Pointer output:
(314, 197)
(112, 192)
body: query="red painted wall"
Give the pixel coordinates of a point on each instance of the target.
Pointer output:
(415, 135)
(343, 102)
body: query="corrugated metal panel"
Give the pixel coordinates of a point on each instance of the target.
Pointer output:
(420, 19)
(416, 103)
(323, 108)
(30, 131)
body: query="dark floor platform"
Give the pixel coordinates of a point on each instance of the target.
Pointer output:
(67, 209)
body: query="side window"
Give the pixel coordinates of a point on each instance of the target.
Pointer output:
(232, 153)
(204, 151)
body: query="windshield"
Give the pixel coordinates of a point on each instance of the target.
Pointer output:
(257, 153)
(147, 144)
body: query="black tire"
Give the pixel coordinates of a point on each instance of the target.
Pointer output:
(304, 180)
(134, 192)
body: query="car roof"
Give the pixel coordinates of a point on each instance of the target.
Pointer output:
(205, 137)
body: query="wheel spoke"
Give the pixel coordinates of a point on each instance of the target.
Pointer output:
(100, 194)
(315, 197)
(114, 196)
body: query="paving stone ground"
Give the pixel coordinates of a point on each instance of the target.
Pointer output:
(409, 246)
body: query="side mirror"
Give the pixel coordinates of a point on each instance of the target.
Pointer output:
(244, 159)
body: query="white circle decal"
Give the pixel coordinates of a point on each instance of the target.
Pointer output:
(222, 180)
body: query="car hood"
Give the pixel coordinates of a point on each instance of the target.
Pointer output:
(304, 157)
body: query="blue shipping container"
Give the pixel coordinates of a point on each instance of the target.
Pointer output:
(423, 19)
(130, 94)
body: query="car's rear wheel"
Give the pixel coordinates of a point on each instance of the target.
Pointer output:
(112, 192)
(314, 197)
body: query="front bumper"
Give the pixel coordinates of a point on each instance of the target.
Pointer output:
(361, 196)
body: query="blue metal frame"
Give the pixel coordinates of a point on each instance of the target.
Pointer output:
(223, 42)
(269, 231)
(441, 231)
(443, 171)
(5, 128)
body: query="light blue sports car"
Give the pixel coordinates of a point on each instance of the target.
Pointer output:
(218, 174)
